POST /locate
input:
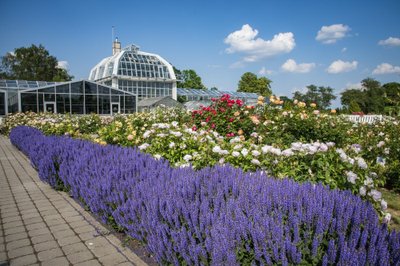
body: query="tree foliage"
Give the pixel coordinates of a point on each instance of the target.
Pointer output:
(250, 83)
(32, 63)
(373, 98)
(322, 96)
(188, 79)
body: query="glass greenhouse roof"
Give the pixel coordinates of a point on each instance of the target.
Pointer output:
(25, 84)
(130, 62)
(215, 93)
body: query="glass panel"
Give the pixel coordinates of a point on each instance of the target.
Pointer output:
(77, 87)
(104, 105)
(29, 102)
(77, 103)
(62, 88)
(2, 103)
(115, 98)
(50, 89)
(48, 97)
(91, 104)
(90, 88)
(104, 90)
(130, 104)
(63, 103)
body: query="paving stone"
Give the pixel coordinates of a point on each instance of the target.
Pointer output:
(88, 263)
(74, 219)
(36, 226)
(18, 236)
(45, 245)
(12, 224)
(19, 252)
(3, 257)
(68, 240)
(112, 259)
(125, 264)
(60, 261)
(53, 217)
(97, 242)
(64, 233)
(49, 212)
(38, 232)
(71, 213)
(11, 219)
(30, 215)
(85, 229)
(42, 238)
(78, 224)
(74, 248)
(25, 260)
(79, 257)
(55, 222)
(34, 220)
(59, 227)
(2, 247)
(18, 243)
(50, 254)
(14, 230)
(87, 236)
(104, 250)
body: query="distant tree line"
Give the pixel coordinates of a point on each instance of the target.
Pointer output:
(372, 98)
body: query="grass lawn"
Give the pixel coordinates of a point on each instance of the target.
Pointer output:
(393, 200)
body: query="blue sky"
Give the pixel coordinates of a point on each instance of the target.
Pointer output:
(293, 43)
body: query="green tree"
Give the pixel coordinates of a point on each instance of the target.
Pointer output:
(375, 102)
(250, 83)
(354, 107)
(32, 63)
(392, 98)
(355, 95)
(188, 79)
(322, 96)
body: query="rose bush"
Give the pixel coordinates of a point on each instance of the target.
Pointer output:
(295, 141)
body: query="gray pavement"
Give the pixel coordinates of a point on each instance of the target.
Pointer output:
(41, 226)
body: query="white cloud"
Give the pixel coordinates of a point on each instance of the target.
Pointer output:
(291, 66)
(390, 42)
(330, 34)
(245, 41)
(263, 71)
(63, 65)
(340, 66)
(386, 68)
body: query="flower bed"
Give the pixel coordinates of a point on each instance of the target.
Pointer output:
(214, 216)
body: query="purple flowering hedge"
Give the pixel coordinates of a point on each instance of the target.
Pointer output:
(214, 216)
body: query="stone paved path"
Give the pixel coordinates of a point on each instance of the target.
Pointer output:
(41, 226)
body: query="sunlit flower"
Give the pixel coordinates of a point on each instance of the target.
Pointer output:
(351, 177)
(255, 161)
(387, 218)
(375, 194)
(144, 146)
(187, 157)
(363, 191)
(244, 152)
(313, 105)
(235, 154)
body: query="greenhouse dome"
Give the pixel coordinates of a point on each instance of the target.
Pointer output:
(145, 74)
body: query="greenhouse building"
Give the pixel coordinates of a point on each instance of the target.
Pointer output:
(144, 74)
(76, 97)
